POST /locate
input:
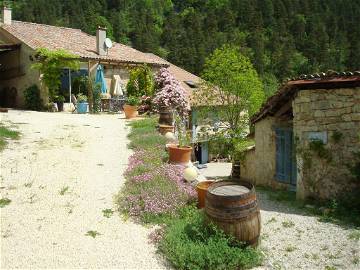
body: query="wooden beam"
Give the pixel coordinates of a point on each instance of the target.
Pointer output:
(286, 107)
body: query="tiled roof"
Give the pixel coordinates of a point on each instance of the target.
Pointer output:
(73, 40)
(180, 74)
(288, 89)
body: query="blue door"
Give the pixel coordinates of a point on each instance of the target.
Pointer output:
(285, 156)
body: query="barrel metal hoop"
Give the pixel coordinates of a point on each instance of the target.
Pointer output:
(225, 218)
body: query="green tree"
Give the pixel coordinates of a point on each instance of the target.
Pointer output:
(234, 85)
(141, 82)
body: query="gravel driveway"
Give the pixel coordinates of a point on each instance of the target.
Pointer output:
(292, 239)
(60, 176)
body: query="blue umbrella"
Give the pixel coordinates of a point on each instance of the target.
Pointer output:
(99, 78)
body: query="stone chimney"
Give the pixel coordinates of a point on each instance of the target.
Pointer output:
(6, 15)
(100, 41)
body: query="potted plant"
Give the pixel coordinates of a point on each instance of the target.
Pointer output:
(60, 102)
(82, 103)
(170, 97)
(180, 153)
(131, 106)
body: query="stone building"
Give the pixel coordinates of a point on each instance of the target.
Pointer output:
(20, 40)
(307, 136)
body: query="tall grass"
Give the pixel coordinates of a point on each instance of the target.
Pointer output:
(6, 134)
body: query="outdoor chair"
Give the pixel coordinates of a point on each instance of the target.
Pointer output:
(74, 102)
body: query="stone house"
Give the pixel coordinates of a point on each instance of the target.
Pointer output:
(20, 40)
(306, 136)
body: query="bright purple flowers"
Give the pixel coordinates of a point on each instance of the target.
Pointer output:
(154, 187)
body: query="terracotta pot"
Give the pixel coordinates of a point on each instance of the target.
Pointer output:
(179, 155)
(201, 189)
(130, 111)
(163, 129)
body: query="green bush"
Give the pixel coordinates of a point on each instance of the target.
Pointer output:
(190, 243)
(96, 97)
(81, 98)
(133, 101)
(32, 98)
(141, 82)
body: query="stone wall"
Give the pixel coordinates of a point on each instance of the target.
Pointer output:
(259, 166)
(333, 115)
(27, 77)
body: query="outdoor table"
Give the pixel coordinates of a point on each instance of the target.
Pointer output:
(117, 104)
(105, 104)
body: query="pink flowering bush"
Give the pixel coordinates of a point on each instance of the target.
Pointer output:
(154, 189)
(171, 93)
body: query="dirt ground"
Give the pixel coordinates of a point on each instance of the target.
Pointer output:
(61, 177)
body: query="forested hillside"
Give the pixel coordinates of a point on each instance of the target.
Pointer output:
(282, 37)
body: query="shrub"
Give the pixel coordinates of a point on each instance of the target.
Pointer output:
(133, 101)
(96, 97)
(32, 98)
(141, 82)
(191, 243)
(81, 98)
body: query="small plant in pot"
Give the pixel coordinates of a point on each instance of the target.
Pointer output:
(180, 153)
(82, 103)
(60, 102)
(131, 106)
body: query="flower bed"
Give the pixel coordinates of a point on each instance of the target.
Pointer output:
(154, 189)
(155, 192)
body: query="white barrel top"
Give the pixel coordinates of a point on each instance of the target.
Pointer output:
(230, 190)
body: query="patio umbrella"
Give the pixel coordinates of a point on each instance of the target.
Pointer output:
(99, 78)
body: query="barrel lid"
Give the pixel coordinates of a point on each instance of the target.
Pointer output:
(230, 190)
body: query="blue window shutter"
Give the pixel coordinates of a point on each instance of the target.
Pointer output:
(288, 156)
(280, 154)
(204, 153)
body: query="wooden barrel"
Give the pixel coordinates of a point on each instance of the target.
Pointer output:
(166, 116)
(233, 207)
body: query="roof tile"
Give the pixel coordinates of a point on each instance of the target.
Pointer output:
(73, 40)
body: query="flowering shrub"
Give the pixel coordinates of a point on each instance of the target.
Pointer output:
(145, 104)
(171, 93)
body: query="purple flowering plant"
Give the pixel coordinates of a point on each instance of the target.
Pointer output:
(170, 93)
(153, 188)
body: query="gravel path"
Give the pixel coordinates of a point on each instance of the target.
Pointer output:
(291, 239)
(60, 176)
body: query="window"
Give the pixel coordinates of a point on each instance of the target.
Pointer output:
(192, 84)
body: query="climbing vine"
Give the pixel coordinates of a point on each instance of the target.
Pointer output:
(51, 64)
(319, 162)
